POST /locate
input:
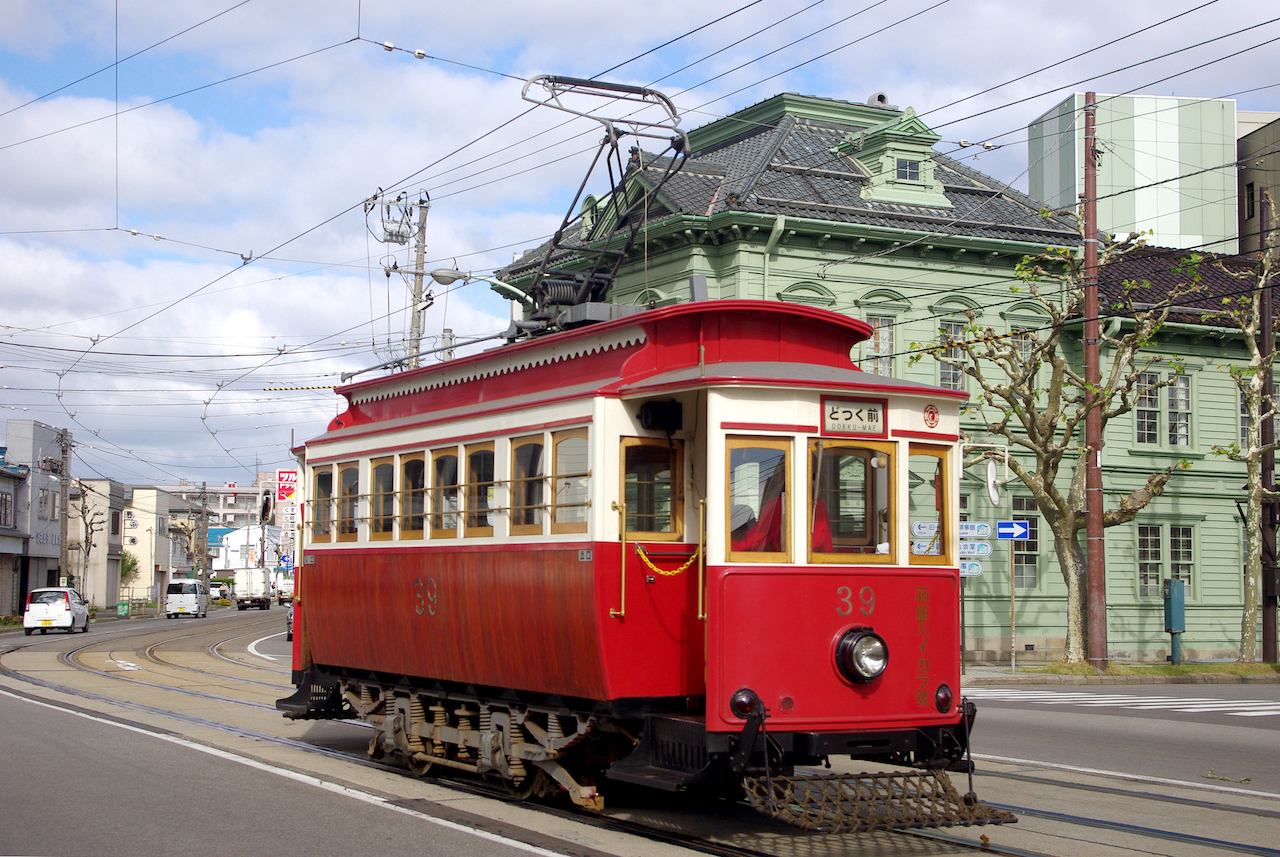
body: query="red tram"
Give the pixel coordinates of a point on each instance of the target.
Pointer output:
(676, 548)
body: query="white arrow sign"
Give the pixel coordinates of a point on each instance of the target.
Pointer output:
(1012, 530)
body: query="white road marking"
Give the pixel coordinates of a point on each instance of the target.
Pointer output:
(305, 779)
(253, 647)
(124, 665)
(1122, 776)
(1192, 705)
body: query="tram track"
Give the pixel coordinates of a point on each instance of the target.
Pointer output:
(770, 843)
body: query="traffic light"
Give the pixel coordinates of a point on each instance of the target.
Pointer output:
(264, 508)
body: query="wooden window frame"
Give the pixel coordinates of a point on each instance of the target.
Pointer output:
(470, 490)
(519, 481)
(405, 492)
(322, 526)
(378, 516)
(677, 487)
(348, 524)
(872, 447)
(785, 445)
(943, 454)
(438, 531)
(556, 476)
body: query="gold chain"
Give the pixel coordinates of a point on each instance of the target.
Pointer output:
(644, 557)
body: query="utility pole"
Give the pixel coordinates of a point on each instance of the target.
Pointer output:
(1270, 507)
(1096, 628)
(202, 536)
(419, 258)
(64, 503)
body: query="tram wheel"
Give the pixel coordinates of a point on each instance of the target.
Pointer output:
(421, 767)
(532, 785)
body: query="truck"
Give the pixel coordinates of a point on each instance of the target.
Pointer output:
(253, 588)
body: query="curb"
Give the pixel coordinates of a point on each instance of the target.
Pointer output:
(1202, 678)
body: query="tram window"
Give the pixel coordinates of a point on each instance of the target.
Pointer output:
(444, 493)
(651, 487)
(348, 500)
(413, 474)
(759, 511)
(850, 501)
(927, 504)
(479, 490)
(322, 505)
(382, 498)
(569, 463)
(526, 486)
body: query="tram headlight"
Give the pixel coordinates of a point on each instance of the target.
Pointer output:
(861, 655)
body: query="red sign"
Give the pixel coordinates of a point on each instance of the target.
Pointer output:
(286, 484)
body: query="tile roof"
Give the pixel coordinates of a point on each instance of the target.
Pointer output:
(788, 166)
(1163, 268)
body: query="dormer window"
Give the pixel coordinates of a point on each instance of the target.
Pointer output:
(908, 170)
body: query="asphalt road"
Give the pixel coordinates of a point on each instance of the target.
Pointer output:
(1225, 735)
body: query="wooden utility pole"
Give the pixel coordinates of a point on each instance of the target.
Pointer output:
(1096, 628)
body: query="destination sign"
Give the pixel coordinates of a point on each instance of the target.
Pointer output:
(853, 416)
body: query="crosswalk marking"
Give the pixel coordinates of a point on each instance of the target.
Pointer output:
(1193, 705)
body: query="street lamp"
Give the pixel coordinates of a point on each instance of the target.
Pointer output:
(448, 276)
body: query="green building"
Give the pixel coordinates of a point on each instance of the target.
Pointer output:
(850, 207)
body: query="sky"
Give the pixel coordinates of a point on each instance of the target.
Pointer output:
(187, 266)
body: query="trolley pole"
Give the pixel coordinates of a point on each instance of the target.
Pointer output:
(1096, 568)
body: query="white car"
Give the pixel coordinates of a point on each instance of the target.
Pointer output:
(55, 608)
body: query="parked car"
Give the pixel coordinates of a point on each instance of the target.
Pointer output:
(289, 625)
(55, 607)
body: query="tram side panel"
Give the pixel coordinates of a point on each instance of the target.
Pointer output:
(518, 617)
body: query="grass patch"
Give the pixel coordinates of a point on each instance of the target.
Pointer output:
(1232, 668)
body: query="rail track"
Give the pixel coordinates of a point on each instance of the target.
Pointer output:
(712, 827)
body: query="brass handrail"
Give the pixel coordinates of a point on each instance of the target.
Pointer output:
(621, 509)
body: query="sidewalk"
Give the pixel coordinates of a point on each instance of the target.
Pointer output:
(1001, 674)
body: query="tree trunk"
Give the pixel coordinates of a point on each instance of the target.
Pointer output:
(1252, 564)
(1071, 560)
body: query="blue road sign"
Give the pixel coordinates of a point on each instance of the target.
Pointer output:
(1012, 530)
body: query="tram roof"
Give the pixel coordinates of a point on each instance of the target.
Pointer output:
(684, 346)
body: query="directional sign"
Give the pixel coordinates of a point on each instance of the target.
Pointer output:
(975, 549)
(970, 568)
(1012, 530)
(924, 529)
(975, 530)
(933, 547)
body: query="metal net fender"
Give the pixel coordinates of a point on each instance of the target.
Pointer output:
(855, 803)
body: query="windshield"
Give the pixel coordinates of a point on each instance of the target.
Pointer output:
(181, 589)
(49, 596)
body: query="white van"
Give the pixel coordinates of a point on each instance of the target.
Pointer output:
(186, 598)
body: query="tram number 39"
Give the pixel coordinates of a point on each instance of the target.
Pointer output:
(426, 600)
(866, 601)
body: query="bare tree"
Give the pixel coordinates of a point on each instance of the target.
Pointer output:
(1243, 311)
(92, 525)
(1032, 392)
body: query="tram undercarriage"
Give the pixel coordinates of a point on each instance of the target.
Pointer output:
(536, 752)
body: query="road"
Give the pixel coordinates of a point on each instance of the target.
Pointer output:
(144, 734)
(1225, 735)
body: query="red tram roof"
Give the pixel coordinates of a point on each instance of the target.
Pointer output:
(689, 344)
